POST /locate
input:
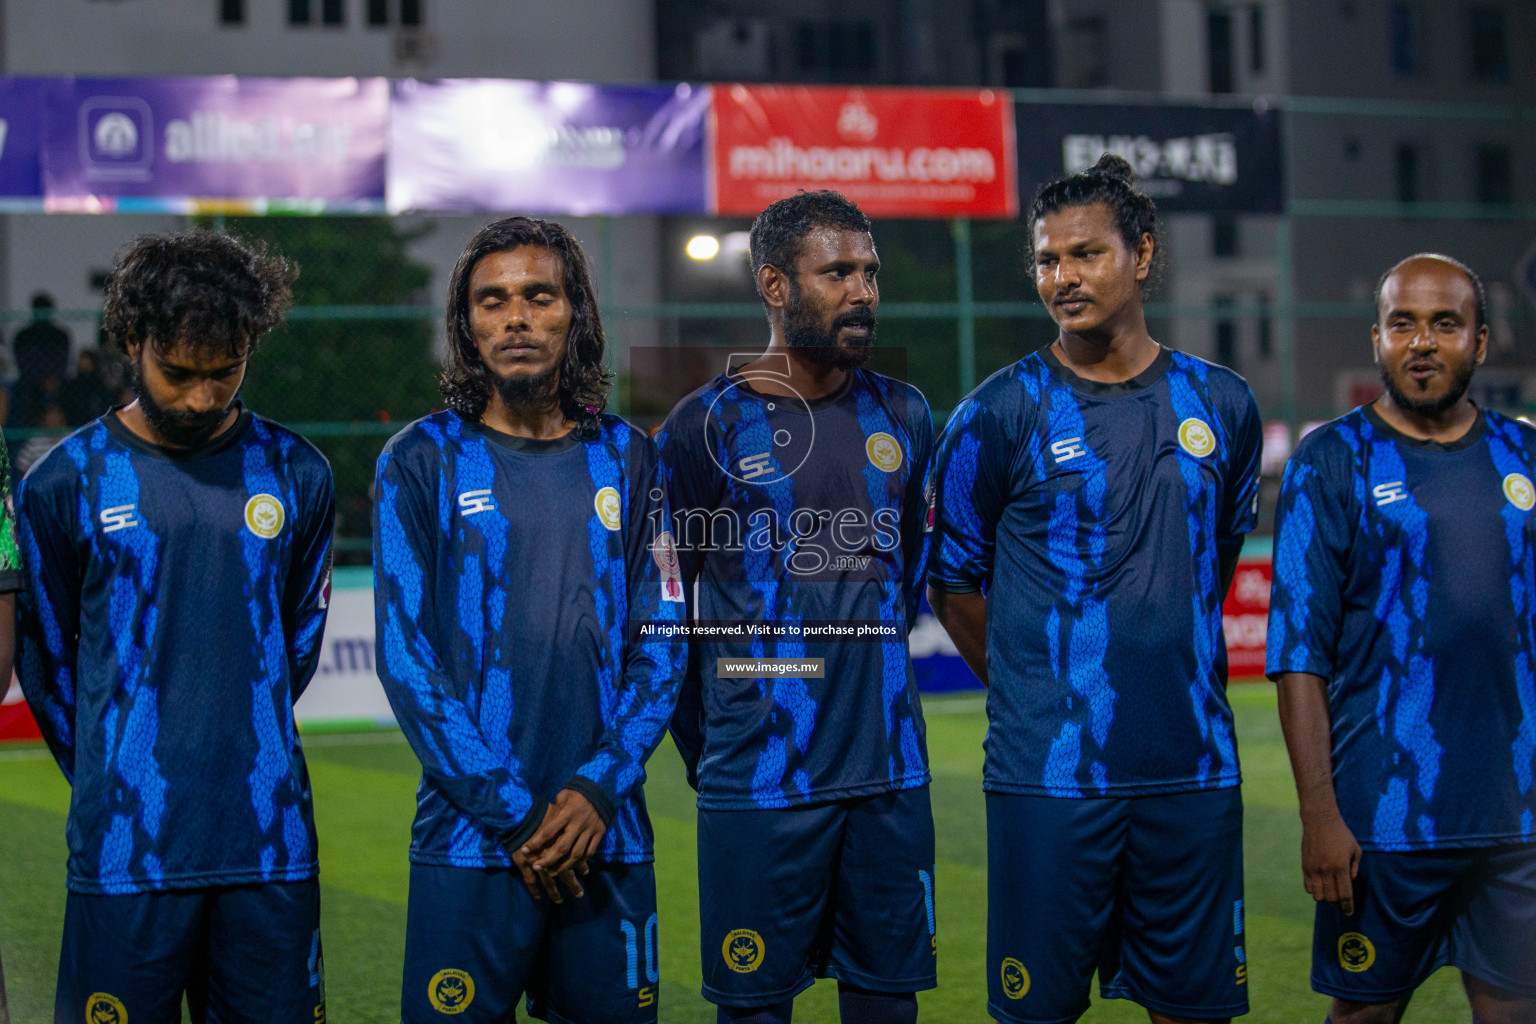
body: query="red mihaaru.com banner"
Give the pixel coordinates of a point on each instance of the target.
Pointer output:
(895, 152)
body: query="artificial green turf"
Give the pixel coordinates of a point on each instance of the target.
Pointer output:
(365, 783)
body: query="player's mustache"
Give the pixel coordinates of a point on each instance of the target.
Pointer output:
(863, 316)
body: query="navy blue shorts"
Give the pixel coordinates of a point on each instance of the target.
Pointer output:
(841, 890)
(1418, 911)
(476, 942)
(1146, 890)
(239, 953)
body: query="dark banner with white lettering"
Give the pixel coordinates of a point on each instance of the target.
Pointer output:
(1188, 159)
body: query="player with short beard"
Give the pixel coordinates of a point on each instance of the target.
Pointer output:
(177, 567)
(1401, 634)
(515, 563)
(815, 834)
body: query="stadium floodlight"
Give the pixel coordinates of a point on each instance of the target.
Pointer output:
(703, 247)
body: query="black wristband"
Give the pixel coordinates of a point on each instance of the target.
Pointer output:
(595, 796)
(527, 827)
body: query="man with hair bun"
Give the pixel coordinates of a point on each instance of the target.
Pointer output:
(176, 558)
(1091, 502)
(1401, 636)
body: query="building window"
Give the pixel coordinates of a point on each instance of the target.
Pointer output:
(1226, 332)
(333, 12)
(298, 12)
(1405, 172)
(834, 50)
(1403, 34)
(1256, 39)
(1224, 236)
(378, 12)
(1494, 177)
(410, 13)
(1218, 52)
(231, 12)
(1084, 54)
(1266, 329)
(1490, 57)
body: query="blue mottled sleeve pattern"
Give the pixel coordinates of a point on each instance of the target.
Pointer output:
(970, 492)
(685, 474)
(49, 604)
(916, 537)
(307, 595)
(1240, 505)
(1312, 538)
(427, 702)
(653, 667)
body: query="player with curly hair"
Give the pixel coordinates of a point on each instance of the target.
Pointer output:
(176, 557)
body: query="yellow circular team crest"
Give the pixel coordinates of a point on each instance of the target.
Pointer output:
(743, 950)
(608, 508)
(451, 991)
(1356, 954)
(1015, 979)
(1519, 491)
(105, 1008)
(1196, 438)
(264, 516)
(884, 451)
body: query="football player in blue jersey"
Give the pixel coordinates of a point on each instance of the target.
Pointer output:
(522, 562)
(1401, 633)
(1091, 502)
(176, 558)
(796, 481)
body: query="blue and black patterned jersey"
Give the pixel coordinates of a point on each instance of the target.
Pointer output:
(804, 520)
(172, 614)
(1405, 575)
(1095, 517)
(512, 581)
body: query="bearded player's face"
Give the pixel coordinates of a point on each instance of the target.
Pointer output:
(833, 297)
(1426, 337)
(520, 317)
(185, 394)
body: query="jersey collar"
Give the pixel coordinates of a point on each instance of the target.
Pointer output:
(534, 445)
(220, 442)
(826, 401)
(1143, 380)
(1472, 436)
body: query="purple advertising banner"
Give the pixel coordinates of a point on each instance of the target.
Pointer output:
(21, 143)
(261, 145)
(547, 147)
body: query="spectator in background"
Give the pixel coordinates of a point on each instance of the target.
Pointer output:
(54, 426)
(41, 351)
(86, 395)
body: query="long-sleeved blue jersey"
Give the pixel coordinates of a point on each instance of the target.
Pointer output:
(512, 581)
(1095, 517)
(801, 516)
(1405, 575)
(172, 614)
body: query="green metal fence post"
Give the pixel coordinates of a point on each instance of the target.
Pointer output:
(965, 298)
(1285, 315)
